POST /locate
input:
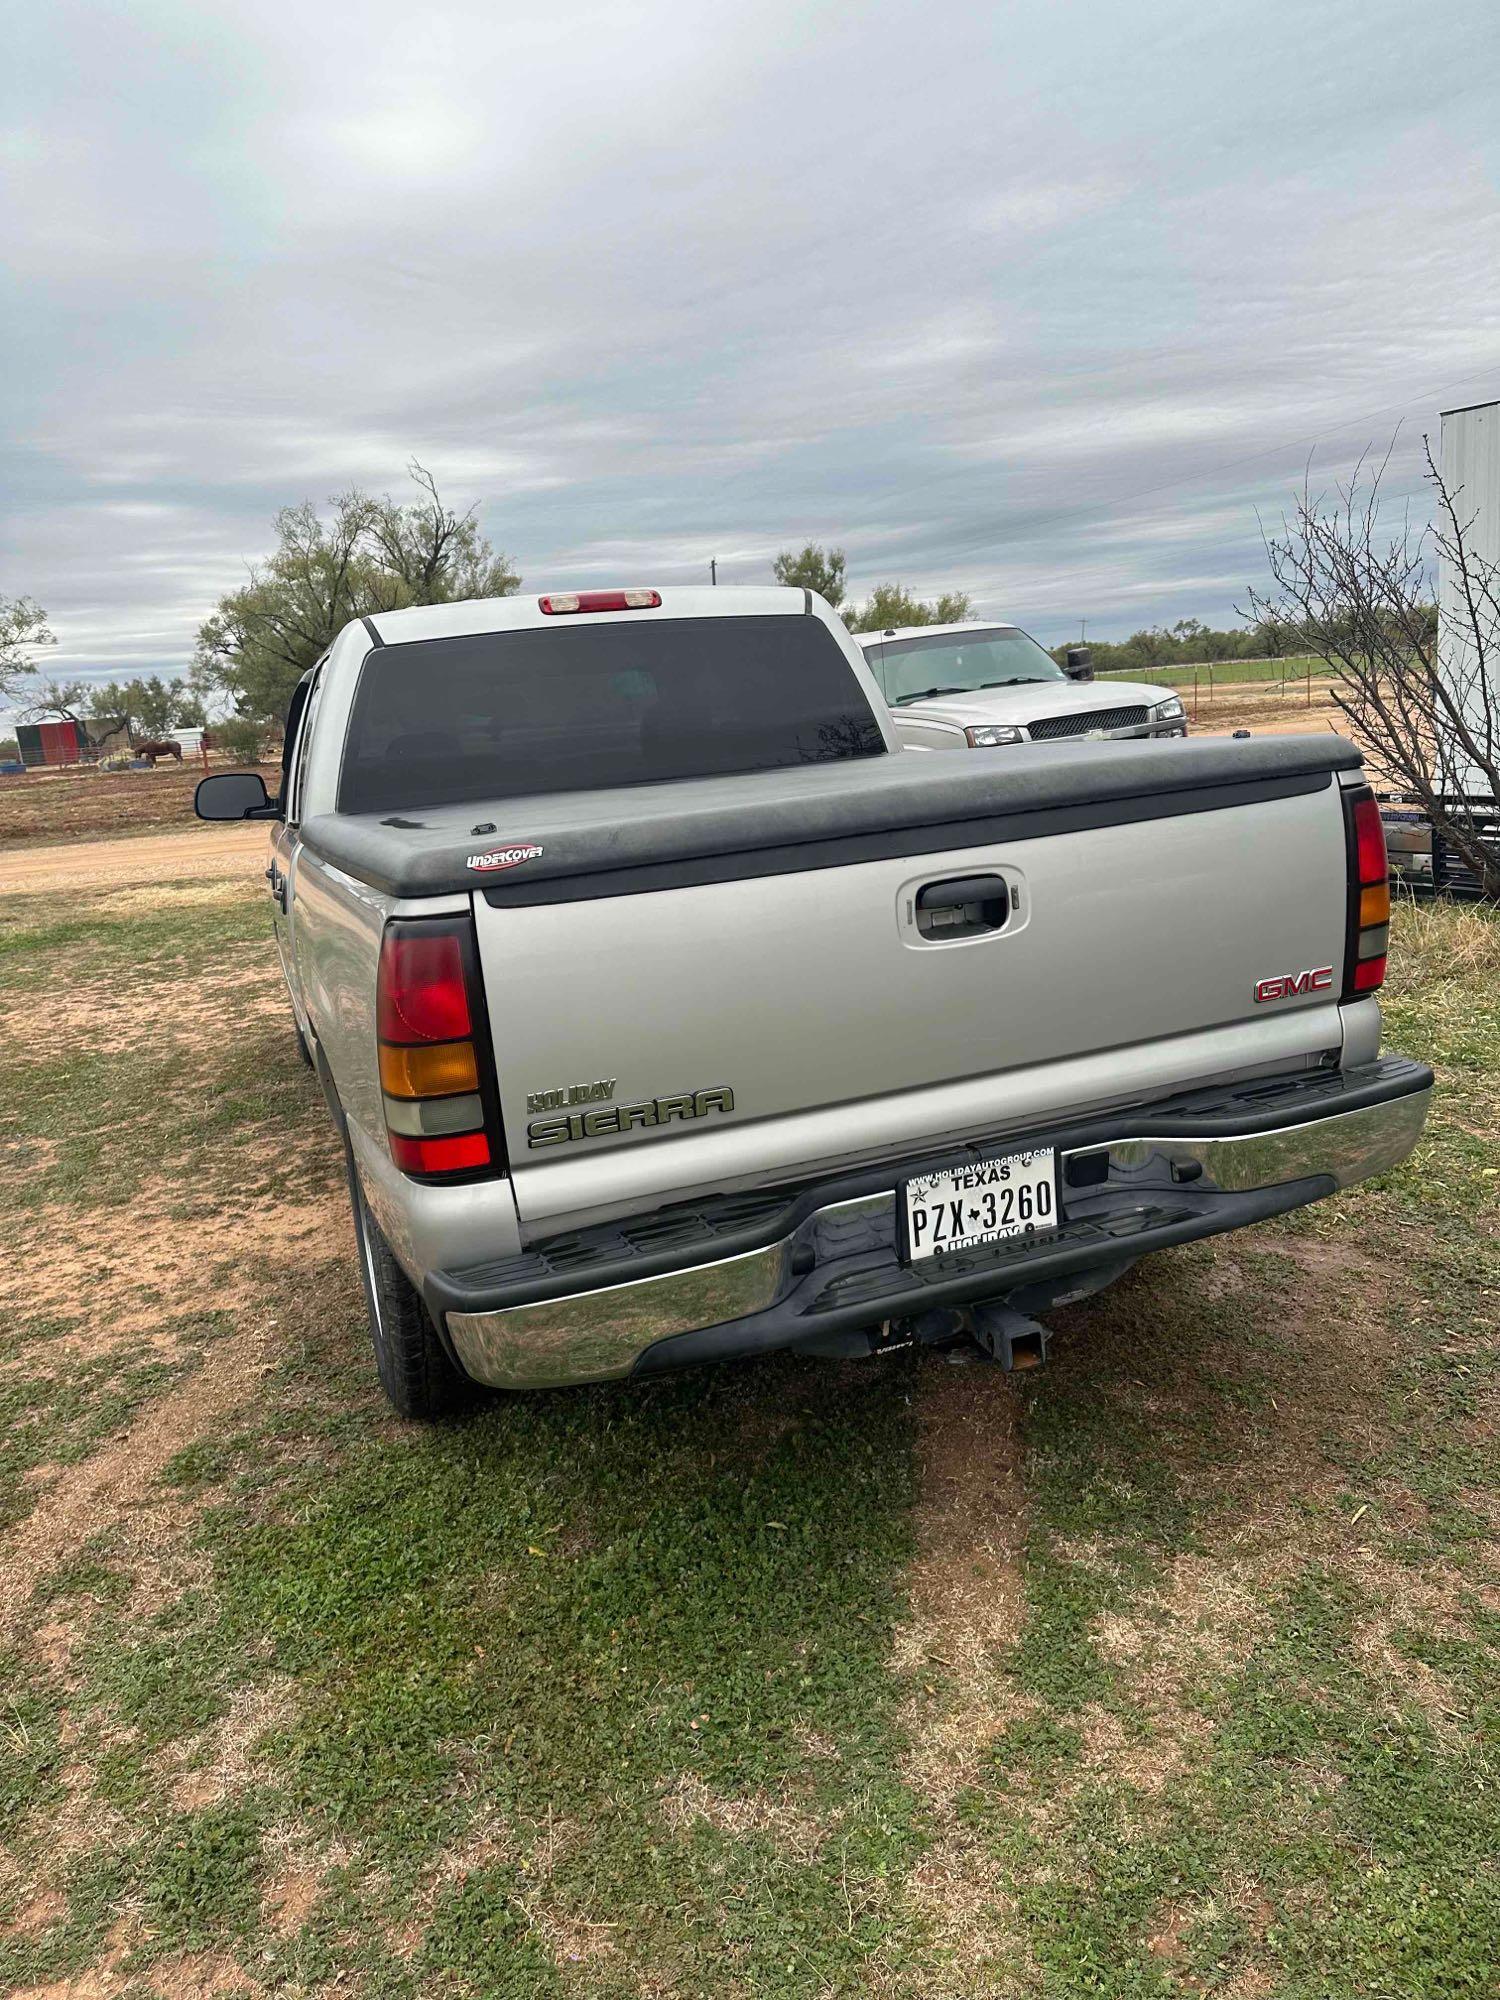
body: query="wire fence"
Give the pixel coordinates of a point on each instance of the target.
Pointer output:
(1208, 679)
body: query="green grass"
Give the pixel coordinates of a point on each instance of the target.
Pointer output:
(159, 943)
(58, 1414)
(592, 1694)
(1223, 673)
(1366, 1821)
(93, 1119)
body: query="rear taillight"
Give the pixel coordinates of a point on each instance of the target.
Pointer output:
(562, 602)
(429, 1019)
(1369, 896)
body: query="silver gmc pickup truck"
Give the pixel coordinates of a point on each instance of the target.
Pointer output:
(669, 1010)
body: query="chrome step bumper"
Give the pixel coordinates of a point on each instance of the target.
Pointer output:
(827, 1260)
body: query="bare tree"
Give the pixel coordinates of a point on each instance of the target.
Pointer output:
(69, 701)
(1421, 688)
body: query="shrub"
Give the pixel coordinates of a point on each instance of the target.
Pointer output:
(241, 739)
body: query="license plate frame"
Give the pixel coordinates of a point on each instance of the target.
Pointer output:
(920, 1219)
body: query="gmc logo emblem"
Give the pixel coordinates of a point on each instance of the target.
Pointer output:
(1286, 984)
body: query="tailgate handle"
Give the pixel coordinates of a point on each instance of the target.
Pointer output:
(963, 906)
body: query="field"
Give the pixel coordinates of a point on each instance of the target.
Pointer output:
(1223, 673)
(81, 803)
(1171, 1669)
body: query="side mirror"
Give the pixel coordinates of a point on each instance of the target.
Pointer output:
(1080, 664)
(234, 795)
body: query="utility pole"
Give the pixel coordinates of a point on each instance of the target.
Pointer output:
(713, 569)
(1083, 626)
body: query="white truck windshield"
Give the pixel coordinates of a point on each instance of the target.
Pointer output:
(959, 662)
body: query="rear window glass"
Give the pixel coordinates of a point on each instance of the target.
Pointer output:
(570, 707)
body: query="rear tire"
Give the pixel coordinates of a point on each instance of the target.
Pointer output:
(416, 1375)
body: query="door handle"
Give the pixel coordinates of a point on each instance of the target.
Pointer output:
(962, 906)
(278, 883)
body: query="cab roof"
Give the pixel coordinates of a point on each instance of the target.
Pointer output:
(970, 626)
(506, 614)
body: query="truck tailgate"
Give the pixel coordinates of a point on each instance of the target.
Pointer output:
(764, 1023)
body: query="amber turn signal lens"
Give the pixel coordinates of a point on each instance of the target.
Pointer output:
(1375, 905)
(428, 1069)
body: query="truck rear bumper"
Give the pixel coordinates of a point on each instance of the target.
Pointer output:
(798, 1267)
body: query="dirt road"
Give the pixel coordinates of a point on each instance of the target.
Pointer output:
(196, 854)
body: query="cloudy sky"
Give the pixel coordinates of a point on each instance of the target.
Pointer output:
(1042, 302)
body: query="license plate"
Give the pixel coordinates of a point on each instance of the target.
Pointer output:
(988, 1201)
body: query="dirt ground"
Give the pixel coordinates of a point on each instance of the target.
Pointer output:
(1259, 708)
(197, 853)
(83, 802)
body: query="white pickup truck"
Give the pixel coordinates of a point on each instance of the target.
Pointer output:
(668, 1010)
(984, 687)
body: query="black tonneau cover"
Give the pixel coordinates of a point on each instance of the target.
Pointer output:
(648, 837)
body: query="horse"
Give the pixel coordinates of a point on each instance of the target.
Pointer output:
(164, 748)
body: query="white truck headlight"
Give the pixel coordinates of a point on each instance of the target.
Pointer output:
(1170, 710)
(985, 735)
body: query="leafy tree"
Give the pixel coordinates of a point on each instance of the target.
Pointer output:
(23, 627)
(371, 556)
(813, 568)
(148, 708)
(10, 750)
(1147, 648)
(892, 606)
(1273, 639)
(430, 555)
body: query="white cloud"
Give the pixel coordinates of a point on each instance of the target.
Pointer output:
(1047, 205)
(1041, 304)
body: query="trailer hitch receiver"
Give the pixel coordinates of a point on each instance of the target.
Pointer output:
(1009, 1337)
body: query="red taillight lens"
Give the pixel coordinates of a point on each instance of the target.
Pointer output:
(1369, 896)
(563, 602)
(1369, 842)
(422, 995)
(459, 1153)
(428, 1009)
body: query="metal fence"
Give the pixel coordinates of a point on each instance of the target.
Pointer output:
(1207, 679)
